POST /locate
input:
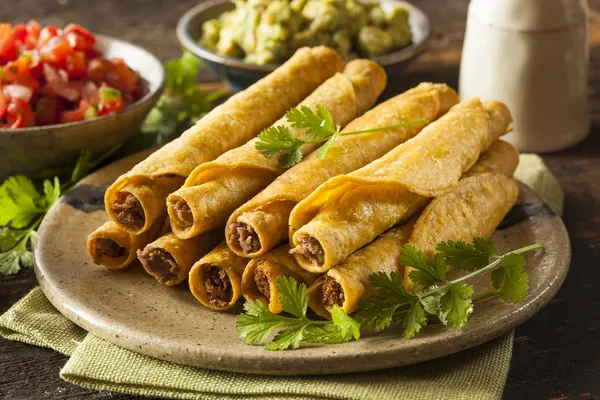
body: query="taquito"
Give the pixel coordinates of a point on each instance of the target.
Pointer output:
(114, 248)
(349, 211)
(169, 259)
(347, 283)
(260, 276)
(215, 280)
(473, 208)
(215, 189)
(138, 198)
(262, 223)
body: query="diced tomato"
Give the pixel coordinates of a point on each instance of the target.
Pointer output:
(58, 80)
(76, 64)
(75, 115)
(3, 104)
(47, 33)
(48, 110)
(19, 114)
(15, 69)
(98, 68)
(76, 41)
(20, 32)
(55, 51)
(8, 49)
(80, 30)
(33, 34)
(121, 77)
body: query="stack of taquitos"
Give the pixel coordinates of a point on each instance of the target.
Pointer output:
(215, 189)
(262, 223)
(349, 211)
(137, 199)
(473, 208)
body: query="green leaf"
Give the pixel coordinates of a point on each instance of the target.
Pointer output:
(51, 191)
(349, 328)
(465, 256)
(425, 271)
(511, 278)
(327, 333)
(378, 313)
(19, 255)
(256, 326)
(293, 296)
(20, 202)
(390, 286)
(279, 140)
(325, 148)
(287, 338)
(181, 73)
(431, 302)
(455, 305)
(414, 320)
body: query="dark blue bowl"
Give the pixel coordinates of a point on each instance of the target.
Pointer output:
(240, 74)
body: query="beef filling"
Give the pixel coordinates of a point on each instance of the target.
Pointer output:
(331, 293)
(108, 248)
(159, 263)
(311, 249)
(183, 212)
(128, 210)
(262, 282)
(218, 286)
(245, 237)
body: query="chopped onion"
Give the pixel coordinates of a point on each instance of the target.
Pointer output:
(89, 92)
(18, 92)
(59, 82)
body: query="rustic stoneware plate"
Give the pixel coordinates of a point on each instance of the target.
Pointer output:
(130, 309)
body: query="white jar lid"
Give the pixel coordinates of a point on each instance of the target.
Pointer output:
(530, 15)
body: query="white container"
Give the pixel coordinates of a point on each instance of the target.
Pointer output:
(533, 56)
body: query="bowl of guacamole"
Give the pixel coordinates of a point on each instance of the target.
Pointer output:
(244, 40)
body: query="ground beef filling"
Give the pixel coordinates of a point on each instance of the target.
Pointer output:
(218, 286)
(245, 237)
(159, 263)
(332, 293)
(108, 248)
(183, 212)
(262, 282)
(311, 248)
(128, 210)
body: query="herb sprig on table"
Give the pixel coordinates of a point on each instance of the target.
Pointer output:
(440, 299)
(25, 201)
(319, 127)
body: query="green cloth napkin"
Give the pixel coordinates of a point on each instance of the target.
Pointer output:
(477, 373)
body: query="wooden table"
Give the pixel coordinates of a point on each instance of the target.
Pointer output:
(556, 353)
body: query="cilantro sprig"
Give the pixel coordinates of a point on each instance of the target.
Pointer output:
(441, 299)
(258, 324)
(319, 127)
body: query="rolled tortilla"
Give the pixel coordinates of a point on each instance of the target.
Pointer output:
(347, 283)
(473, 208)
(115, 249)
(215, 280)
(260, 276)
(262, 223)
(215, 189)
(169, 259)
(349, 211)
(137, 199)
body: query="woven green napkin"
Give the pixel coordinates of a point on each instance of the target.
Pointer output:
(478, 373)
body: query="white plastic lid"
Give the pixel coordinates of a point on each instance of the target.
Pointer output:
(530, 15)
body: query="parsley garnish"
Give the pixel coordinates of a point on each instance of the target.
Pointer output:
(449, 301)
(279, 141)
(258, 323)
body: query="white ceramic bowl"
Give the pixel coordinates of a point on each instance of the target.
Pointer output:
(30, 150)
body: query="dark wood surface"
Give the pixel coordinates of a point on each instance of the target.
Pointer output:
(556, 353)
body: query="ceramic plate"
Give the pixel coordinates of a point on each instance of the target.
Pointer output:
(130, 309)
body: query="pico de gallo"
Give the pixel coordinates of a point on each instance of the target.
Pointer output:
(51, 76)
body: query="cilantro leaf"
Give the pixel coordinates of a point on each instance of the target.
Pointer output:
(511, 278)
(349, 328)
(326, 333)
(456, 305)
(20, 202)
(51, 192)
(425, 271)
(15, 246)
(293, 296)
(279, 140)
(390, 285)
(465, 256)
(258, 323)
(414, 320)
(431, 302)
(287, 338)
(318, 126)
(325, 148)
(378, 313)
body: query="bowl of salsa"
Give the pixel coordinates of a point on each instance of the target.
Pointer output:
(66, 89)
